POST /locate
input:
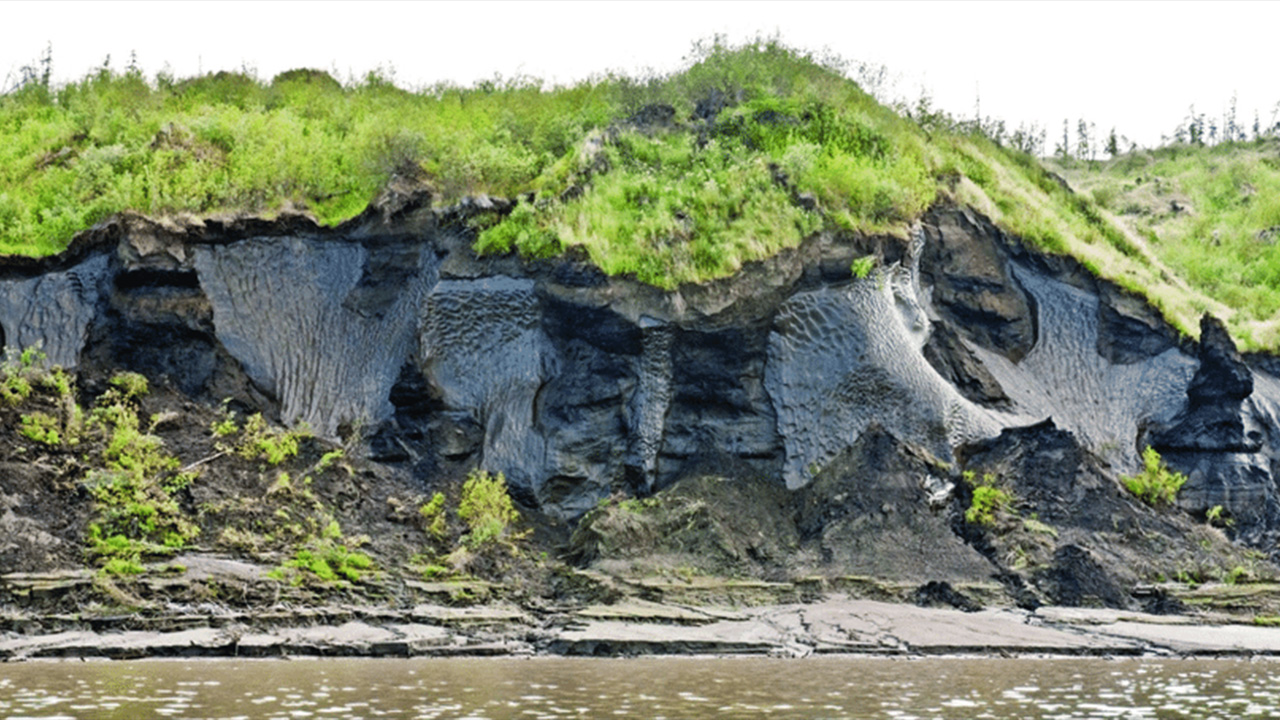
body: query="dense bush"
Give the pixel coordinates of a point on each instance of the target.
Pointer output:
(486, 508)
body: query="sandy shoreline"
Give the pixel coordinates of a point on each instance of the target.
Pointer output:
(833, 624)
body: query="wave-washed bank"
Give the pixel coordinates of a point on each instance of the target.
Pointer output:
(832, 624)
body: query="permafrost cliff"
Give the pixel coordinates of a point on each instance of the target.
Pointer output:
(963, 348)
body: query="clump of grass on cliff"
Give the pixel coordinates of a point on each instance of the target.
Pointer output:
(478, 535)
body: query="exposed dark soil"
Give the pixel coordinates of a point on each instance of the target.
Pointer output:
(643, 431)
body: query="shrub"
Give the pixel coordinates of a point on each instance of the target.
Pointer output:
(519, 231)
(31, 357)
(328, 459)
(433, 517)
(1216, 517)
(131, 384)
(259, 441)
(863, 266)
(14, 388)
(58, 381)
(433, 571)
(330, 559)
(1236, 575)
(1156, 485)
(225, 425)
(18, 371)
(486, 508)
(41, 427)
(136, 513)
(988, 500)
(122, 566)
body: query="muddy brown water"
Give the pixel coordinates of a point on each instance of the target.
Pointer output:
(650, 688)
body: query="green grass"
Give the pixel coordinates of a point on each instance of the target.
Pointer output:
(676, 178)
(75, 155)
(259, 441)
(136, 511)
(1219, 240)
(328, 559)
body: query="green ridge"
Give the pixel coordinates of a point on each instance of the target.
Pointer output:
(676, 178)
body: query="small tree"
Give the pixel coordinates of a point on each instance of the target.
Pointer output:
(486, 508)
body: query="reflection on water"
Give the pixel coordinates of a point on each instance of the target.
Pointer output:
(647, 688)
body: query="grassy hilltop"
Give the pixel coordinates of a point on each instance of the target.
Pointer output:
(677, 178)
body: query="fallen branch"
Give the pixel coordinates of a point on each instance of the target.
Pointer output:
(202, 461)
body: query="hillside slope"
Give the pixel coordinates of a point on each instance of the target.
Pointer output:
(1211, 214)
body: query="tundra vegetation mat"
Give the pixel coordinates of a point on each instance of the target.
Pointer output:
(673, 178)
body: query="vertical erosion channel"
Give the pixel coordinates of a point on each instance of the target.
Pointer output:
(482, 346)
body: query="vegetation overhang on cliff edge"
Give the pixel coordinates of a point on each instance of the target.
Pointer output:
(677, 178)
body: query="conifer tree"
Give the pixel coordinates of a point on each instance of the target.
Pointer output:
(1082, 139)
(1231, 129)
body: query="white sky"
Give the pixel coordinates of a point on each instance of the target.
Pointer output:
(1136, 66)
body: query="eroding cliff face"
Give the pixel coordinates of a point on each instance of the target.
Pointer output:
(578, 386)
(53, 310)
(842, 357)
(482, 347)
(1223, 435)
(323, 327)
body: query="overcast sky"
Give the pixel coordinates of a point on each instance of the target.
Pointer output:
(1136, 66)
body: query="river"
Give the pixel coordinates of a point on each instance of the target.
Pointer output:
(649, 688)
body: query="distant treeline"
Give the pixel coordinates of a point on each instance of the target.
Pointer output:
(1080, 140)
